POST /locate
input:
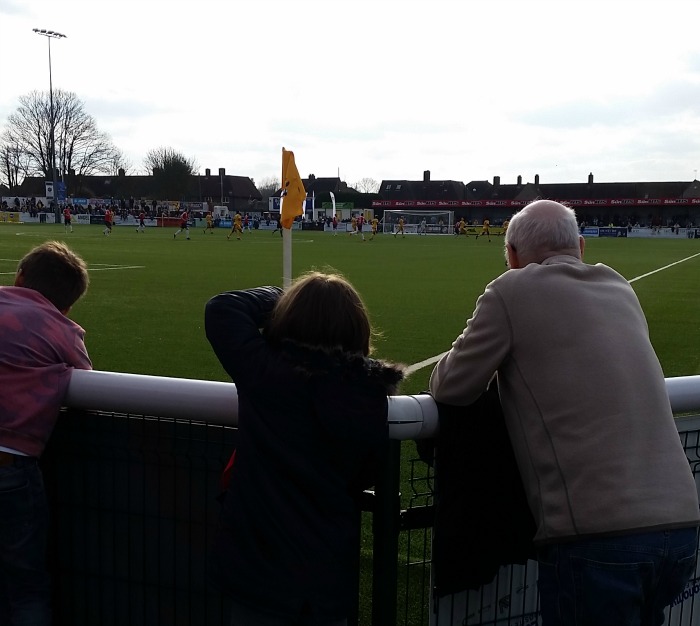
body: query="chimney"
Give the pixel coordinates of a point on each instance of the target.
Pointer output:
(426, 176)
(121, 172)
(520, 180)
(222, 171)
(496, 181)
(312, 177)
(590, 178)
(207, 172)
(537, 179)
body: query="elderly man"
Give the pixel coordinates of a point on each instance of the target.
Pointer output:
(590, 422)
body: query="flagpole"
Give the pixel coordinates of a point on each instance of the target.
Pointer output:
(292, 191)
(286, 257)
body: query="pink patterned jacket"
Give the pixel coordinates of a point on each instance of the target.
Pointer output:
(39, 347)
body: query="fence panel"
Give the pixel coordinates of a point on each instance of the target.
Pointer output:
(511, 600)
(133, 505)
(133, 502)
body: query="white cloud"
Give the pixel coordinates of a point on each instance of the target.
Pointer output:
(378, 88)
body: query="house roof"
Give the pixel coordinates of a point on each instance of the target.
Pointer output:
(484, 190)
(320, 185)
(422, 190)
(122, 186)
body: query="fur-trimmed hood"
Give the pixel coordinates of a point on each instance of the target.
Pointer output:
(311, 362)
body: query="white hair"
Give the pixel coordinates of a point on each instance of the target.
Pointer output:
(541, 229)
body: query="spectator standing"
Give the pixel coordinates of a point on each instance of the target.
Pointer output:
(39, 348)
(290, 520)
(589, 418)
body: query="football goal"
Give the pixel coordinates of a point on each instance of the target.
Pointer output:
(419, 222)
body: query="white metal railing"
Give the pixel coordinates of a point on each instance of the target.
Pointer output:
(410, 417)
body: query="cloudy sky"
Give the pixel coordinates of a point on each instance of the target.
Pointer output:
(382, 89)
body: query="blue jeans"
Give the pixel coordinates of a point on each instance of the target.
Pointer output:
(615, 581)
(25, 589)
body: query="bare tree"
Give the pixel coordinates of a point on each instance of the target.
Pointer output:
(120, 162)
(14, 165)
(268, 186)
(80, 146)
(171, 169)
(366, 185)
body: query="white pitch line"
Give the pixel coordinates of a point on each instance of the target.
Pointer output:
(419, 366)
(665, 267)
(116, 267)
(95, 269)
(434, 359)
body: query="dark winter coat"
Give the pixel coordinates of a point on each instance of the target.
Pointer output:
(311, 424)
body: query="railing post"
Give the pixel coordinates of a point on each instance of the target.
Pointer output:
(385, 531)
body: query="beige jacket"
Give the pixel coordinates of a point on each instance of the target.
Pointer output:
(584, 399)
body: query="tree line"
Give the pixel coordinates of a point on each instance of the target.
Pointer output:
(81, 148)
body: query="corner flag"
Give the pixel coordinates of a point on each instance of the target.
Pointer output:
(293, 192)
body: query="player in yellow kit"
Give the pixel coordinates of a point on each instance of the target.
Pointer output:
(375, 226)
(485, 229)
(461, 227)
(210, 223)
(237, 226)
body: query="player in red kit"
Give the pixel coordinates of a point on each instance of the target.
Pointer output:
(184, 225)
(67, 220)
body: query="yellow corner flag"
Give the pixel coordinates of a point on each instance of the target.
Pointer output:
(293, 192)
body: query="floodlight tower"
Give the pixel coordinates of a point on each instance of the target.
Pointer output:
(50, 34)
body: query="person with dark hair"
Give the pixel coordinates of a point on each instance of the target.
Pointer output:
(236, 226)
(587, 412)
(67, 219)
(141, 228)
(312, 420)
(39, 348)
(184, 225)
(485, 229)
(109, 217)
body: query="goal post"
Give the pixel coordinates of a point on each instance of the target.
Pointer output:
(419, 222)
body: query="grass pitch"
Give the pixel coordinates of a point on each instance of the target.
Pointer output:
(144, 310)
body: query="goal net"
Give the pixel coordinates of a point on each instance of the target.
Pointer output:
(419, 222)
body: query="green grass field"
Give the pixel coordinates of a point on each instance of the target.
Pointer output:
(144, 309)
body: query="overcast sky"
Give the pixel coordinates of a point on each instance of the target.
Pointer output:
(384, 89)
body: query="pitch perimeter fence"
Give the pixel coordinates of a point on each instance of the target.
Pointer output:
(132, 472)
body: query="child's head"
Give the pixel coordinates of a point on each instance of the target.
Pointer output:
(56, 272)
(321, 310)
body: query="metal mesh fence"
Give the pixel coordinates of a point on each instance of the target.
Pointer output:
(511, 600)
(134, 505)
